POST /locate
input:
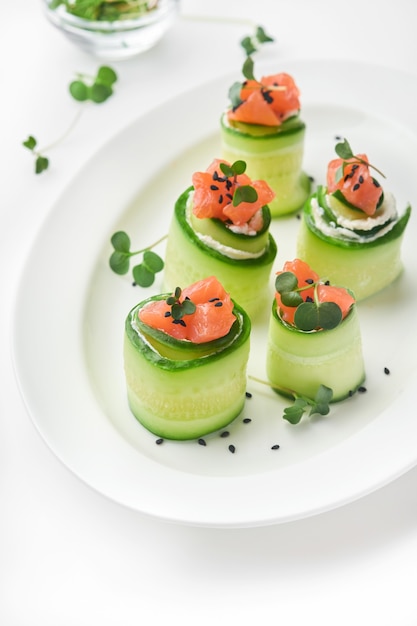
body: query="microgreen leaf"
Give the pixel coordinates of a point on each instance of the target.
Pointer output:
(78, 90)
(143, 276)
(238, 167)
(153, 261)
(295, 412)
(291, 298)
(261, 35)
(312, 315)
(178, 308)
(286, 281)
(244, 193)
(119, 262)
(343, 150)
(247, 69)
(106, 75)
(100, 93)
(30, 142)
(248, 45)
(226, 170)
(120, 241)
(41, 164)
(234, 94)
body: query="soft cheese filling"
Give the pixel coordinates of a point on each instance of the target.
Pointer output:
(359, 229)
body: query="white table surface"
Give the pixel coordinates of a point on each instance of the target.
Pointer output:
(68, 555)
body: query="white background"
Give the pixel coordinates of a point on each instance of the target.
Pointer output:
(68, 556)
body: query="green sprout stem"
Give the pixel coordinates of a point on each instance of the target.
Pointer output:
(64, 135)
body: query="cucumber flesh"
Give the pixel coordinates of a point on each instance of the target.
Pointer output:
(299, 362)
(186, 398)
(218, 231)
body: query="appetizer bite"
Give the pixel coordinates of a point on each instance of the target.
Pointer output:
(314, 336)
(185, 357)
(351, 230)
(263, 127)
(220, 227)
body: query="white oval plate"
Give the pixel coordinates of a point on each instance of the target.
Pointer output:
(68, 357)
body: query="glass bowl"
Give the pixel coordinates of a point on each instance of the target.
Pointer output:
(114, 39)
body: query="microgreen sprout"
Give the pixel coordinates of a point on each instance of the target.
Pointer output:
(308, 315)
(144, 272)
(252, 43)
(96, 89)
(248, 73)
(179, 307)
(293, 413)
(108, 10)
(242, 193)
(344, 151)
(318, 405)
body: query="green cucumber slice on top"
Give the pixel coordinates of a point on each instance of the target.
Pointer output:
(185, 391)
(188, 259)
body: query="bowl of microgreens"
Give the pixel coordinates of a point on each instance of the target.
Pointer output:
(112, 29)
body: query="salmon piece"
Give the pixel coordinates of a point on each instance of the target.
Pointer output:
(211, 320)
(357, 185)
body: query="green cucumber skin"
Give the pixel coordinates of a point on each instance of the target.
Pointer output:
(188, 259)
(300, 362)
(186, 399)
(365, 268)
(277, 159)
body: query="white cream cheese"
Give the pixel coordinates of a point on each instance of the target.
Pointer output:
(344, 228)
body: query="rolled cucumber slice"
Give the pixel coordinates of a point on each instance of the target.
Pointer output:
(299, 362)
(274, 155)
(365, 267)
(185, 392)
(188, 259)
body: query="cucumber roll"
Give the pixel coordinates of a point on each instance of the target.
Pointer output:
(314, 336)
(220, 226)
(185, 358)
(263, 127)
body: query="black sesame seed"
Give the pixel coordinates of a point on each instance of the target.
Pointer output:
(214, 187)
(309, 299)
(327, 283)
(356, 187)
(220, 199)
(224, 434)
(386, 371)
(275, 446)
(159, 441)
(215, 175)
(355, 167)
(133, 284)
(229, 195)
(362, 389)
(180, 322)
(218, 304)
(376, 183)
(247, 420)
(309, 281)
(248, 394)
(360, 179)
(202, 442)
(232, 448)
(214, 299)
(167, 314)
